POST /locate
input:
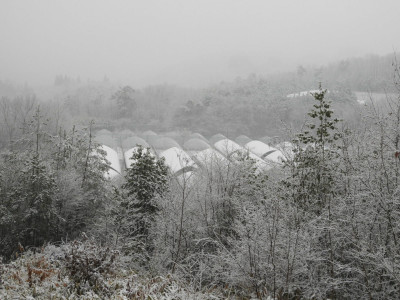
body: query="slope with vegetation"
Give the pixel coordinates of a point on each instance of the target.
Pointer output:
(324, 226)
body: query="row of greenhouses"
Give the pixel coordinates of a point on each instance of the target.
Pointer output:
(184, 153)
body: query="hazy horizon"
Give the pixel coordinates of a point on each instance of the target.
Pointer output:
(188, 43)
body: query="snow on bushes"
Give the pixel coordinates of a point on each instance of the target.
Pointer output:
(85, 270)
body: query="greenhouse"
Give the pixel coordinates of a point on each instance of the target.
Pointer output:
(147, 134)
(163, 143)
(133, 141)
(235, 152)
(217, 137)
(275, 157)
(126, 133)
(259, 148)
(242, 140)
(150, 139)
(114, 168)
(175, 135)
(228, 147)
(266, 152)
(107, 140)
(197, 135)
(267, 140)
(195, 145)
(210, 157)
(178, 160)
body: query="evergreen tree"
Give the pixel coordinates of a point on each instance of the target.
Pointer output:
(38, 193)
(316, 154)
(315, 185)
(146, 179)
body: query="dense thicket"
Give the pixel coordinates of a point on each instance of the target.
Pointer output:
(51, 186)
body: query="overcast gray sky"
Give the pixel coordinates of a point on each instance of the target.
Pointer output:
(186, 42)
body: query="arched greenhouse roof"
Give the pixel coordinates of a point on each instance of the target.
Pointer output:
(178, 160)
(267, 140)
(197, 135)
(259, 148)
(150, 139)
(148, 133)
(195, 144)
(209, 158)
(114, 167)
(275, 157)
(164, 143)
(107, 140)
(217, 137)
(227, 147)
(133, 141)
(235, 152)
(242, 140)
(285, 146)
(172, 134)
(177, 136)
(126, 133)
(268, 153)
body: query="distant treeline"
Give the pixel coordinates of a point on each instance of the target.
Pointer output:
(255, 106)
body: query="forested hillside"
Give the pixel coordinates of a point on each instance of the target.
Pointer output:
(255, 106)
(323, 222)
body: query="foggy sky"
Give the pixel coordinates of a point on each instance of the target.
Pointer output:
(186, 42)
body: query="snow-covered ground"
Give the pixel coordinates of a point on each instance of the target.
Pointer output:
(65, 273)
